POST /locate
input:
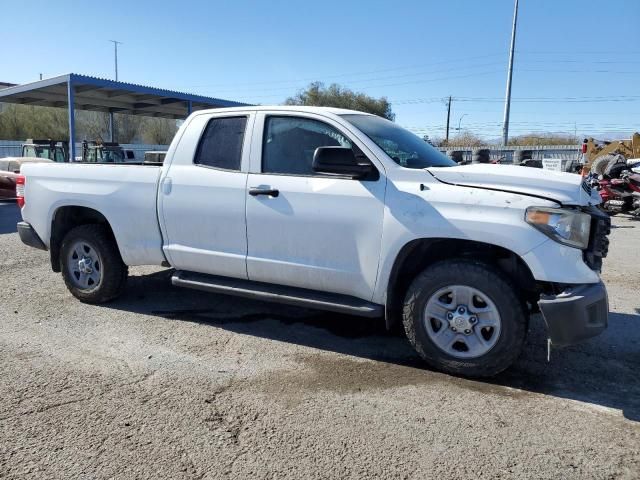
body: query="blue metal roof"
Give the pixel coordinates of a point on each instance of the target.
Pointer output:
(101, 94)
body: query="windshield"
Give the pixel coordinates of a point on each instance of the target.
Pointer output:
(404, 148)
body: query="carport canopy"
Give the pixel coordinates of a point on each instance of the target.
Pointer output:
(98, 94)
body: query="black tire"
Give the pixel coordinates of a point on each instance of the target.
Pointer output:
(572, 166)
(114, 271)
(492, 283)
(611, 213)
(601, 164)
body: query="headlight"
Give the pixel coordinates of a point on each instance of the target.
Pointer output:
(569, 227)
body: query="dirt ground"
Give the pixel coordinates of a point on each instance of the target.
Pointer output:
(173, 383)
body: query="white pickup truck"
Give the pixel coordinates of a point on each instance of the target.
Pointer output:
(337, 210)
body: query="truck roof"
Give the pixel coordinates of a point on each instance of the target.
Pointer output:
(287, 108)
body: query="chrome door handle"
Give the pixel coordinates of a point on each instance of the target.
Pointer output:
(255, 191)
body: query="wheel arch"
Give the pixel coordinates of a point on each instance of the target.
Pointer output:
(67, 217)
(418, 254)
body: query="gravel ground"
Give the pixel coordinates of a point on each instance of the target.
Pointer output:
(172, 383)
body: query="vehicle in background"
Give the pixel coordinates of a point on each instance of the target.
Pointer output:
(619, 193)
(10, 171)
(343, 211)
(155, 157)
(106, 152)
(596, 155)
(55, 150)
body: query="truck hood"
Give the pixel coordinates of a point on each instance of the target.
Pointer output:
(564, 188)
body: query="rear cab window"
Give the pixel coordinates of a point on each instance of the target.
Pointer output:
(220, 145)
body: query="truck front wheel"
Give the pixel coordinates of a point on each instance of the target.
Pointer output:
(465, 318)
(91, 264)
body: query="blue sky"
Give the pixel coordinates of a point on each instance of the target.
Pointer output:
(577, 62)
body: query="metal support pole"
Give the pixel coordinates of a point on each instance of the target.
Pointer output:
(112, 125)
(189, 107)
(507, 100)
(112, 135)
(72, 120)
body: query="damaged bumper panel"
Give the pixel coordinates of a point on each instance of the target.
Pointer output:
(578, 313)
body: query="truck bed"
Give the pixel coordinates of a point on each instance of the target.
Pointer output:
(124, 194)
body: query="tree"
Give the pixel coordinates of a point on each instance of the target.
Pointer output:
(464, 139)
(19, 122)
(128, 127)
(158, 131)
(436, 141)
(92, 125)
(316, 94)
(536, 139)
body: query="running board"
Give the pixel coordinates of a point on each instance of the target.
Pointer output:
(277, 293)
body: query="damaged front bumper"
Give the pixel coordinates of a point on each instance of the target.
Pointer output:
(576, 314)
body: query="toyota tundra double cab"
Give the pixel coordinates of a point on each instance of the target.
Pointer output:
(342, 211)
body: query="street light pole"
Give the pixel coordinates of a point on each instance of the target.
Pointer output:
(111, 122)
(460, 121)
(507, 100)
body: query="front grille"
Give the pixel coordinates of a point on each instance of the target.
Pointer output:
(598, 238)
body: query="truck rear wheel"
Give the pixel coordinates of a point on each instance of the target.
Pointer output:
(91, 264)
(465, 318)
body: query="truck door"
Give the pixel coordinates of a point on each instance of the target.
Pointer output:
(202, 196)
(307, 229)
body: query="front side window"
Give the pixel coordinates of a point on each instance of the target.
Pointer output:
(290, 142)
(221, 143)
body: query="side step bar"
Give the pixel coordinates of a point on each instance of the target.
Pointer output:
(277, 293)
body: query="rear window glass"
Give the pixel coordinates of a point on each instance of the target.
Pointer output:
(221, 143)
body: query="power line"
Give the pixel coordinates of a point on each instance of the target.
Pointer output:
(341, 75)
(634, 72)
(374, 79)
(578, 52)
(620, 98)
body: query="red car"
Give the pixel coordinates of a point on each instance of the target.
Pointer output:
(9, 170)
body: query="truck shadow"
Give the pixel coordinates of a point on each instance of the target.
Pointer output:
(601, 372)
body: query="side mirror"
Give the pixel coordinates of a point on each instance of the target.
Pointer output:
(340, 161)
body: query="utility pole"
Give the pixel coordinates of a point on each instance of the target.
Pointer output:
(115, 51)
(111, 122)
(446, 139)
(507, 100)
